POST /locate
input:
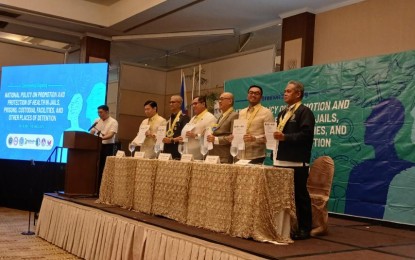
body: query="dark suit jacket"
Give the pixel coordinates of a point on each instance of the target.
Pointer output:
(299, 135)
(172, 148)
(224, 129)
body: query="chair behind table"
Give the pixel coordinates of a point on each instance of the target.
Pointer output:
(319, 186)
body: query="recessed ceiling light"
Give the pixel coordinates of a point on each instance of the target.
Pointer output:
(33, 41)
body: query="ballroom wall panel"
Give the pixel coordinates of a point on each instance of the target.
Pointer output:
(12, 54)
(367, 28)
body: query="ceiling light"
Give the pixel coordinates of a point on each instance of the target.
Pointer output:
(32, 41)
(221, 32)
(260, 27)
(40, 27)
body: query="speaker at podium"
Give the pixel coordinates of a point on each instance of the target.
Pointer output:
(81, 176)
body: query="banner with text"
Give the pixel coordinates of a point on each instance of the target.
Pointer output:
(40, 102)
(364, 112)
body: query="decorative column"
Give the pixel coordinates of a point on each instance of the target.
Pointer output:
(297, 41)
(95, 50)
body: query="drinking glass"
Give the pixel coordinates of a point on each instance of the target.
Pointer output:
(234, 152)
(157, 150)
(131, 147)
(180, 149)
(203, 150)
(186, 150)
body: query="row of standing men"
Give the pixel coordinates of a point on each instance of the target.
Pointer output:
(294, 135)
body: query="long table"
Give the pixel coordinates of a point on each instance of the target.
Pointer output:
(244, 201)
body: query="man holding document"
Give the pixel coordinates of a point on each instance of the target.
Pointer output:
(146, 137)
(255, 116)
(294, 135)
(223, 129)
(174, 127)
(192, 132)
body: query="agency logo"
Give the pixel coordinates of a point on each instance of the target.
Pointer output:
(29, 141)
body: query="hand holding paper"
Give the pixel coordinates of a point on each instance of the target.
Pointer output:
(188, 127)
(161, 133)
(270, 128)
(278, 135)
(141, 136)
(206, 143)
(238, 132)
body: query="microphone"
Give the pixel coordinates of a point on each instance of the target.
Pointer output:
(92, 126)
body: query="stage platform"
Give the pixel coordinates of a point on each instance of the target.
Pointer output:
(96, 231)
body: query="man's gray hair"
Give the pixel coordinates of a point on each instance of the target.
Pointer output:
(298, 87)
(179, 98)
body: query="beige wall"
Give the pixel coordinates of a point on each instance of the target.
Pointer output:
(112, 97)
(12, 54)
(137, 85)
(368, 28)
(217, 72)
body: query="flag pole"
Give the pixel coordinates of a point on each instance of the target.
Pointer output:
(182, 92)
(185, 90)
(200, 75)
(193, 89)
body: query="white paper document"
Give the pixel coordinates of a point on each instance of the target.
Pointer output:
(238, 132)
(208, 132)
(242, 162)
(186, 128)
(270, 128)
(141, 136)
(161, 133)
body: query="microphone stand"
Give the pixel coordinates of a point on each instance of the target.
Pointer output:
(92, 126)
(28, 232)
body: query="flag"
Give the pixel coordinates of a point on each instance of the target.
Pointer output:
(183, 93)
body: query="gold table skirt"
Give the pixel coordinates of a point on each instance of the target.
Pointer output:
(243, 201)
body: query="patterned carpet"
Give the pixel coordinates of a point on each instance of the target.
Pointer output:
(14, 245)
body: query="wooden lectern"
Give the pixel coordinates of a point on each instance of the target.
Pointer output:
(81, 176)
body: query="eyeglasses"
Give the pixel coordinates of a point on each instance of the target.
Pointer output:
(223, 98)
(171, 102)
(256, 93)
(195, 103)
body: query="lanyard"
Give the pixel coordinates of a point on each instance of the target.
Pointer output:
(251, 117)
(195, 119)
(287, 116)
(224, 115)
(170, 132)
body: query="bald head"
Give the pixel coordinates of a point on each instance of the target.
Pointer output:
(175, 103)
(225, 101)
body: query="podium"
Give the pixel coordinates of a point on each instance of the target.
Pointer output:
(81, 176)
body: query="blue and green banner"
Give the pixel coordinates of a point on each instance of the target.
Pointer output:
(364, 112)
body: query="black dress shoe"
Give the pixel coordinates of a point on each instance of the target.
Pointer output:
(301, 235)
